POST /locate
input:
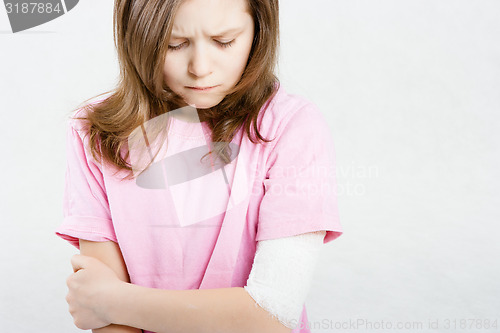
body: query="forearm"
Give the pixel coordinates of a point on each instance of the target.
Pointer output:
(110, 254)
(113, 328)
(230, 310)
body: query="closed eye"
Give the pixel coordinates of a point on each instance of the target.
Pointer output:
(221, 44)
(227, 44)
(176, 47)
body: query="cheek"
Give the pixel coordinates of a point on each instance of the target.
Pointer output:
(237, 61)
(243, 54)
(169, 70)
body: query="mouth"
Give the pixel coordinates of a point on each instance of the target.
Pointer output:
(202, 88)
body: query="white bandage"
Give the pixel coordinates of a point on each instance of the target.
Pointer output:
(281, 275)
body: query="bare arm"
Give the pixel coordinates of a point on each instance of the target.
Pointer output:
(224, 310)
(110, 254)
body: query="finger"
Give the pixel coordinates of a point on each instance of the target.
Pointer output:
(78, 262)
(68, 279)
(68, 298)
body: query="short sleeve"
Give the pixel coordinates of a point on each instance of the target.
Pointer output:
(300, 183)
(86, 213)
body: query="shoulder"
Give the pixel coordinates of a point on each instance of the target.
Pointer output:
(294, 114)
(77, 117)
(77, 129)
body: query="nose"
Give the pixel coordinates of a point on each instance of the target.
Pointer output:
(199, 64)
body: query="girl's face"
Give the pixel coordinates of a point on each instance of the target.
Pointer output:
(209, 48)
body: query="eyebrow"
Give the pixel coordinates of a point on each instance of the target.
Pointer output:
(232, 30)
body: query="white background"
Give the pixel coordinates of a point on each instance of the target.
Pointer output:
(411, 93)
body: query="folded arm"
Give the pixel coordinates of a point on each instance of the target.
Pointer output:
(110, 254)
(230, 310)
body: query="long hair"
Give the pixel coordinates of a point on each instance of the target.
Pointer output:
(141, 33)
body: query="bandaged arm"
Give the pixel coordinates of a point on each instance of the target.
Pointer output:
(282, 273)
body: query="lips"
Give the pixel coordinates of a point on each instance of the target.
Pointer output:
(202, 88)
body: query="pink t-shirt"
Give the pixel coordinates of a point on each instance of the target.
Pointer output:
(196, 229)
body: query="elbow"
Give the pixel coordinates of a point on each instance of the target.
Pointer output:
(269, 316)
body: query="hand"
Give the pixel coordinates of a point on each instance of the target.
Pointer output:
(91, 287)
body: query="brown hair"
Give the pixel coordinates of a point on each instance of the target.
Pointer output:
(142, 30)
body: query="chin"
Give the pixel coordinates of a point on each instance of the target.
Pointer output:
(204, 104)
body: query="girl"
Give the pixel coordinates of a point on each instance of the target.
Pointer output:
(198, 192)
